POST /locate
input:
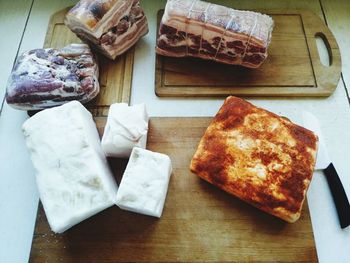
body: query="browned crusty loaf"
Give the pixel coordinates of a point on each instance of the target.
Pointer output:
(259, 157)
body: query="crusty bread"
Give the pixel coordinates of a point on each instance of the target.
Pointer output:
(258, 156)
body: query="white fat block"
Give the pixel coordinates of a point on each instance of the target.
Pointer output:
(145, 182)
(126, 128)
(72, 173)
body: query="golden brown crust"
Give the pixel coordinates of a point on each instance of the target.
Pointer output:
(258, 156)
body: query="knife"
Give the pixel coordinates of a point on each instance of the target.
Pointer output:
(325, 164)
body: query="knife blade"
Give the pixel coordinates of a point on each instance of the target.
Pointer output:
(324, 163)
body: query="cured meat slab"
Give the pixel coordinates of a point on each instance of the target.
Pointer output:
(115, 76)
(292, 68)
(214, 32)
(200, 223)
(110, 26)
(260, 157)
(45, 78)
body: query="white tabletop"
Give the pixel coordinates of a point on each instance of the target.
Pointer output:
(23, 27)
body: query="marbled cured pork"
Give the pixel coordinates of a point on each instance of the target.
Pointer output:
(209, 31)
(109, 26)
(44, 78)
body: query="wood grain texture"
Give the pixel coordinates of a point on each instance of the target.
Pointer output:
(115, 76)
(338, 20)
(200, 223)
(293, 67)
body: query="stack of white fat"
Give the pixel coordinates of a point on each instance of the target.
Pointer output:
(73, 177)
(144, 184)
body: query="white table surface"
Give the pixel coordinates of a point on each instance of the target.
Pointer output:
(18, 194)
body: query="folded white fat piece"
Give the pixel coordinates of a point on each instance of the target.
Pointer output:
(145, 182)
(72, 173)
(126, 128)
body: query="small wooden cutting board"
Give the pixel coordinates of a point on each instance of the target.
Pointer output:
(115, 76)
(293, 67)
(200, 223)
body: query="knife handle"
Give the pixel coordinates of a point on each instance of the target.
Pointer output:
(340, 199)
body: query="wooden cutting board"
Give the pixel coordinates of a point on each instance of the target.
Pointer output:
(115, 76)
(293, 67)
(199, 222)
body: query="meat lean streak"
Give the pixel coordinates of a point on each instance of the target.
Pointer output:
(209, 31)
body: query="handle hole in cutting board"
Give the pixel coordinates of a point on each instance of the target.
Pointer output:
(324, 49)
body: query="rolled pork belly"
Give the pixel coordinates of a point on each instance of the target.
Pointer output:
(45, 78)
(109, 26)
(209, 31)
